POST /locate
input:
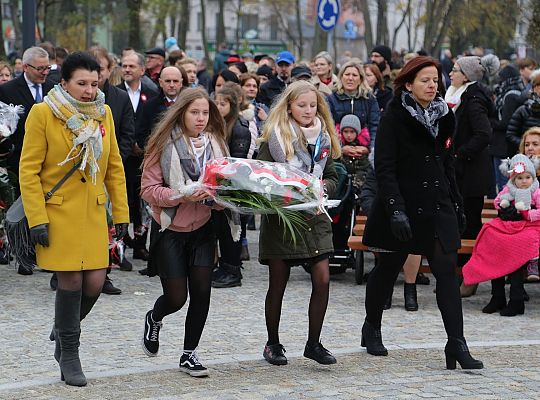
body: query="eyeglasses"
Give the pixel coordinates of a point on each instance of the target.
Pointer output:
(455, 70)
(40, 69)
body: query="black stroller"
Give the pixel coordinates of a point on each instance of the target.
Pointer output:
(343, 220)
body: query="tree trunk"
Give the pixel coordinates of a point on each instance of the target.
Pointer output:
(238, 18)
(2, 49)
(382, 24)
(15, 19)
(299, 29)
(221, 35)
(283, 24)
(134, 10)
(405, 15)
(363, 5)
(320, 42)
(203, 34)
(183, 23)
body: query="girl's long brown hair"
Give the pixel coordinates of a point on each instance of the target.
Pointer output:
(232, 93)
(175, 116)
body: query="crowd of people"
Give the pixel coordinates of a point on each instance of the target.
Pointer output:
(425, 141)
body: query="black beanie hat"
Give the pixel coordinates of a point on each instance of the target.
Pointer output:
(383, 51)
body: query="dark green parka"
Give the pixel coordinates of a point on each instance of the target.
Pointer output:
(315, 241)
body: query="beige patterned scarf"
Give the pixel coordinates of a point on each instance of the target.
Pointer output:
(84, 120)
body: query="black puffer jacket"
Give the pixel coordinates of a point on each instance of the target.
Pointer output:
(240, 139)
(525, 117)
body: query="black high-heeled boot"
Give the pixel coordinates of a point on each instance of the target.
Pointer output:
(372, 340)
(495, 304)
(456, 350)
(411, 300)
(514, 307)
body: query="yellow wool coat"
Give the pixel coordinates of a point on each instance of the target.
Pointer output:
(76, 214)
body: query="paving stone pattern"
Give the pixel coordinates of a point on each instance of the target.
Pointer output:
(235, 334)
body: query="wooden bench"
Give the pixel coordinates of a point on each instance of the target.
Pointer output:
(467, 245)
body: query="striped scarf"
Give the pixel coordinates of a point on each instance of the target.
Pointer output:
(84, 121)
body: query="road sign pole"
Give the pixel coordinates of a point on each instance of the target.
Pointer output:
(28, 23)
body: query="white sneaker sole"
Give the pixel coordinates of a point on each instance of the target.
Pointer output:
(197, 374)
(146, 351)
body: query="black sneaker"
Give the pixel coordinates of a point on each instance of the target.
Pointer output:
(109, 288)
(143, 271)
(190, 364)
(150, 343)
(275, 354)
(318, 353)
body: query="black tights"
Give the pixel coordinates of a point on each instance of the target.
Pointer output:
(517, 290)
(381, 281)
(320, 282)
(90, 282)
(175, 293)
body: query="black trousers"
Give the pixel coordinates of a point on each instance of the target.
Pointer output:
(443, 266)
(134, 202)
(516, 286)
(229, 250)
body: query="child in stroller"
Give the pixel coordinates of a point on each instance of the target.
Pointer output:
(351, 169)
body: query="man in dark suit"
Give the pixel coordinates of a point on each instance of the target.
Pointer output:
(139, 94)
(171, 84)
(26, 90)
(124, 126)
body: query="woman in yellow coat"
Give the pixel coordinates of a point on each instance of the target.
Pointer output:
(70, 229)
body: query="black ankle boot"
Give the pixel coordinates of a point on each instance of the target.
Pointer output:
(230, 276)
(495, 304)
(514, 307)
(372, 340)
(409, 292)
(456, 350)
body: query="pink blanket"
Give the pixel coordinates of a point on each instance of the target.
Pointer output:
(501, 248)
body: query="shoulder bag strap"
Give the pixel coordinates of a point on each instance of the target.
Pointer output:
(49, 194)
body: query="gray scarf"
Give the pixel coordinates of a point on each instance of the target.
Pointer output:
(429, 117)
(181, 165)
(302, 159)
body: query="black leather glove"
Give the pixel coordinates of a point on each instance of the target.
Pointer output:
(120, 230)
(509, 214)
(462, 220)
(40, 235)
(399, 224)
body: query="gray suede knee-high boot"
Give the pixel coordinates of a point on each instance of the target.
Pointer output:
(87, 303)
(68, 328)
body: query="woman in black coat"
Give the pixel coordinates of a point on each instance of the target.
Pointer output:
(417, 205)
(474, 110)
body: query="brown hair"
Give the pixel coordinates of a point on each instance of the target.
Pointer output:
(377, 72)
(526, 62)
(232, 93)
(101, 52)
(175, 116)
(412, 68)
(6, 65)
(247, 76)
(175, 56)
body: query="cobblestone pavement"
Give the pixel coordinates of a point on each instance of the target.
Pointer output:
(235, 335)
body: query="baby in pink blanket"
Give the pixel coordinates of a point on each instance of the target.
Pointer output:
(522, 190)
